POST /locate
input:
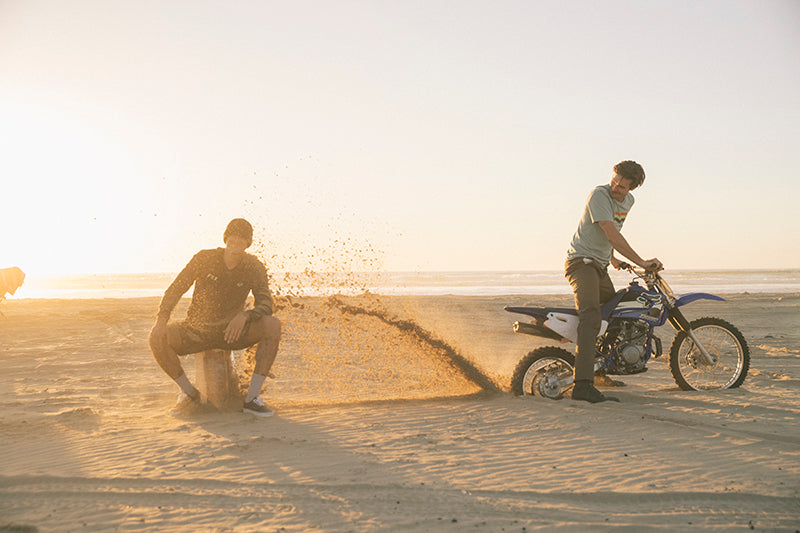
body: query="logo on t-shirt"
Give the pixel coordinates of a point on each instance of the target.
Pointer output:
(620, 217)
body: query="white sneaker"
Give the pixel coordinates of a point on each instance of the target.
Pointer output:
(257, 407)
(184, 405)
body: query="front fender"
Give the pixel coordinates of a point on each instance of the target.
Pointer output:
(693, 296)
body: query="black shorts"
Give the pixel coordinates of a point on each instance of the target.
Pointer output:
(196, 339)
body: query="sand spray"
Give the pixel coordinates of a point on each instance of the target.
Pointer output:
(339, 343)
(348, 349)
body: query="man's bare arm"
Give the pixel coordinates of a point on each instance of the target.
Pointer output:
(621, 245)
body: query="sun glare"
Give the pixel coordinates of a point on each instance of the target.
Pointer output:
(62, 191)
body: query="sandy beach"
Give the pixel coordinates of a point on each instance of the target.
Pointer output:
(375, 429)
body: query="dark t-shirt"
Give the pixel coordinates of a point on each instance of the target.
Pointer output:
(219, 293)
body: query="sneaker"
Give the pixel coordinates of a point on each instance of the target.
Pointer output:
(585, 391)
(186, 403)
(256, 407)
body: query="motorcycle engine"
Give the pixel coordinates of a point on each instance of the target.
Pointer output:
(629, 347)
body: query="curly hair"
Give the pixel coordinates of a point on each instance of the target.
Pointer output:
(630, 170)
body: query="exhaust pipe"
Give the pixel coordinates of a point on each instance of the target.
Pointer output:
(537, 331)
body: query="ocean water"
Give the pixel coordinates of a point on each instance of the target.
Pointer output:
(412, 283)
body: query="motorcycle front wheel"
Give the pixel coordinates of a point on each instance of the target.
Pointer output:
(729, 352)
(543, 372)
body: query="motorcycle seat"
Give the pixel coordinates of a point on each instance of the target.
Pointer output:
(605, 309)
(541, 311)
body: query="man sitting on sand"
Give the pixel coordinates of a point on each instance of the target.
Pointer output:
(591, 251)
(216, 318)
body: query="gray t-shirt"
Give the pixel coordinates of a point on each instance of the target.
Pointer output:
(589, 239)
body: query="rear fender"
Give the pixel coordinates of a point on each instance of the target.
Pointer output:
(566, 325)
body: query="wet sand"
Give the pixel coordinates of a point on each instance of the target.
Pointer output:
(376, 430)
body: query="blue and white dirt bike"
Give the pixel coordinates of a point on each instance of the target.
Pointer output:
(707, 353)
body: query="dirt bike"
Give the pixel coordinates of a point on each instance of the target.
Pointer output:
(707, 353)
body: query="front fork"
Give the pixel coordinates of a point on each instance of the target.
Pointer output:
(679, 322)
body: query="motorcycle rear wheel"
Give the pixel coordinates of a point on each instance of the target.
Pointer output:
(723, 342)
(541, 372)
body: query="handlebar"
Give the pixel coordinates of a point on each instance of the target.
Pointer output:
(652, 278)
(632, 269)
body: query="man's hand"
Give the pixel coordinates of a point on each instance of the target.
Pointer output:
(235, 328)
(653, 265)
(619, 264)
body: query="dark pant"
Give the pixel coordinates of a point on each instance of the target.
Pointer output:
(592, 288)
(196, 338)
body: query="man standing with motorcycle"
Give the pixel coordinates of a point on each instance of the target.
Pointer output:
(590, 252)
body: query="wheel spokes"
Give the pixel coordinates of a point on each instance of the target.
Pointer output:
(546, 378)
(726, 354)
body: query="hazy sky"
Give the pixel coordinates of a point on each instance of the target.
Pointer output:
(403, 135)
